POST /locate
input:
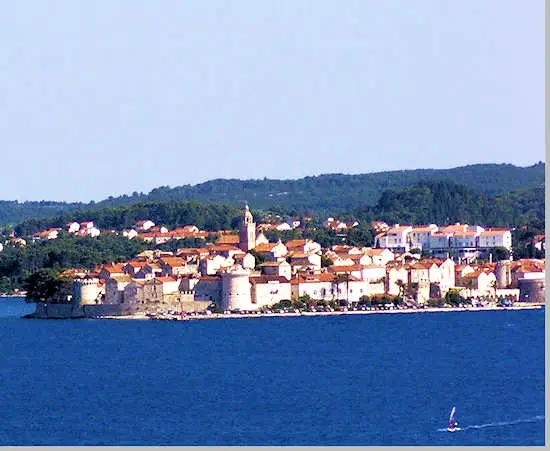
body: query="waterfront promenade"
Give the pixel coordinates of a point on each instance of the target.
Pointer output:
(293, 313)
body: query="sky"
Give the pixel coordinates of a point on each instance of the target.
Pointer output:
(106, 98)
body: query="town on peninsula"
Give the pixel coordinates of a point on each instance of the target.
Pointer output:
(242, 273)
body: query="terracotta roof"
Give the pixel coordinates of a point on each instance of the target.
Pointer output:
(453, 228)
(344, 269)
(265, 247)
(228, 239)
(300, 255)
(528, 266)
(421, 265)
(493, 232)
(113, 268)
(398, 229)
(465, 234)
(421, 229)
(473, 275)
(210, 278)
(193, 251)
(166, 279)
(73, 273)
(122, 278)
(342, 248)
(267, 279)
(136, 265)
(173, 261)
(295, 243)
(395, 265)
(440, 234)
(374, 251)
(314, 278)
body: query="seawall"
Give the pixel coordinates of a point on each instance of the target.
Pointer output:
(70, 311)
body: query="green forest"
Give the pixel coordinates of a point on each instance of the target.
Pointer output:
(18, 263)
(327, 193)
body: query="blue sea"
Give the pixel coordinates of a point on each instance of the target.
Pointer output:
(388, 379)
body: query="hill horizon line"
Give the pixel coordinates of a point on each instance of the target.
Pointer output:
(268, 179)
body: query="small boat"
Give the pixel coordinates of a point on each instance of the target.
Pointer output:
(453, 424)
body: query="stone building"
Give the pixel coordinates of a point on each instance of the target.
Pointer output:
(247, 231)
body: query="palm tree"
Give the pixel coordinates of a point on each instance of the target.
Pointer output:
(494, 287)
(345, 277)
(401, 286)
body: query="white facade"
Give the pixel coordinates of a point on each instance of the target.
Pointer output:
(374, 273)
(466, 240)
(283, 269)
(395, 238)
(447, 276)
(73, 227)
(213, 263)
(129, 233)
(419, 237)
(144, 225)
(491, 239)
(379, 256)
(439, 240)
(266, 290)
(393, 276)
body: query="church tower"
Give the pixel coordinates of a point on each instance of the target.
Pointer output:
(247, 231)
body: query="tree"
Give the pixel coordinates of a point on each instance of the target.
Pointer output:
(453, 297)
(325, 261)
(500, 253)
(45, 286)
(494, 287)
(402, 287)
(365, 300)
(342, 278)
(259, 258)
(435, 302)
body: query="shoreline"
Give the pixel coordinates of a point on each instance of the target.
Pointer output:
(533, 306)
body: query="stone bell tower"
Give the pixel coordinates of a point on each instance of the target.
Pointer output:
(247, 231)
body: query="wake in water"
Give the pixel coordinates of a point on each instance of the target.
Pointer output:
(499, 423)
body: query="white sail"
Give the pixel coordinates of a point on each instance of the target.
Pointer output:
(451, 418)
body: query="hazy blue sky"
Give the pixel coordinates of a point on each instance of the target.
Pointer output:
(104, 98)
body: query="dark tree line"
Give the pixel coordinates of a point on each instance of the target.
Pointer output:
(327, 193)
(208, 217)
(18, 263)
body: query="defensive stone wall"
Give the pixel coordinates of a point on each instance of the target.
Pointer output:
(66, 311)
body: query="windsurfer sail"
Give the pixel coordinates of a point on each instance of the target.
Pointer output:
(453, 424)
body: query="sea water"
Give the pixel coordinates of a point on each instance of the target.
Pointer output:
(387, 379)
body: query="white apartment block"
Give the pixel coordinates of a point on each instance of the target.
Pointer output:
(462, 240)
(395, 238)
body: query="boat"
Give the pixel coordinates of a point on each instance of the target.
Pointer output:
(453, 424)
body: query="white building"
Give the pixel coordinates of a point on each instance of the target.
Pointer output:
(395, 238)
(495, 238)
(144, 225)
(419, 236)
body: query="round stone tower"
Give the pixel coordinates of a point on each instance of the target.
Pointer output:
(503, 273)
(85, 290)
(247, 231)
(236, 289)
